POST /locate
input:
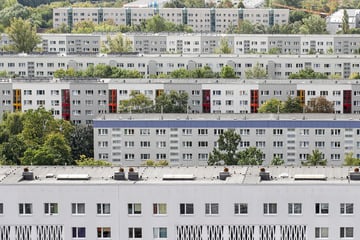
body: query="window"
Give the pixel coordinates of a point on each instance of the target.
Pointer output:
(159, 232)
(211, 208)
(103, 232)
(103, 208)
(186, 208)
(202, 131)
(240, 208)
(51, 208)
(277, 131)
(319, 131)
(160, 131)
(145, 131)
(135, 232)
(79, 232)
(159, 208)
(346, 232)
(346, 208)
(1, 208)
(321, 232)
(322, 208)
(134, 208)
(25, 208)
(78, 208)
(294, 208)
(270, 208)
(335, 132)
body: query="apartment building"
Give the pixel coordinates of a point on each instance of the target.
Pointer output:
(187, 140)
(82, 100)
(334, 21)
(179, 203)
(200, 19)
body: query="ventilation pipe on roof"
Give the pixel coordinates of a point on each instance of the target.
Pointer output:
(27, 175)
(355, 175)
(132, 175)
(225, 174)
(120, 175)
(264, 176)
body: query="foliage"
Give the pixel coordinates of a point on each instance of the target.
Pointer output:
(307, 73)
(83, 27)
(256, 72)
(172, 102)
(81, 141)
(14, 11)
(227, 150)
(316, 158)
(276, 161)
(292, 105)
(319, 105)
(350, 160)
(272, 105)
(88, 161)
(250, 156)
(117, 44)
(159, 163)
(227, 72)
(23, 34)
(138, 102)
(345, 22)
(224, 47)
(314, 24)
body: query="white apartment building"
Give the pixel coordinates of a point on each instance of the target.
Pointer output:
(179, 203)
(200, 19)
(188, 139)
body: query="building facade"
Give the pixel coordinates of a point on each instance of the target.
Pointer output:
(187, 140)
(194, 203)
(199, 19)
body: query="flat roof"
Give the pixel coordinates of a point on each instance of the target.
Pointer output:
(12, 175)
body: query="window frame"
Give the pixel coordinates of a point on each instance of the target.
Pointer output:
(75, 207)
(268, 208)
(212, 209)
(346, 208)
(240, 207)
(159, 231)
(321, 232)
(321, 208)
(77, 232)
(103, 209)
(102, 234)
(134, 209)
(133, 234)
(51, 208)
(159, 209)
(25, 210)
(293, 210)
(186, 209)
(344, 234)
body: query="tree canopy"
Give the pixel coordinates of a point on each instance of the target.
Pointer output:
(319, 105)
(307, 73)
(316, 158)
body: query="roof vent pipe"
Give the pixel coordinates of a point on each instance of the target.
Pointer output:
(27, 175)
(264, 176)
(355, 175)
(225, 174)
(120, 175)
(132, 175)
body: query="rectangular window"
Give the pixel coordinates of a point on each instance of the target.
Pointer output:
(25, 208)
(211, 208)
(51, 208)
(240, 208)
(144, 131)
(159, 232)
(270, 208)
(78, 208)
(1, 208)
(159, 208)
(321, 232)
(322, 208)
(135, 232)
(319, 131)
(103, 232)
(134, 208)
(186, 208)
(346, 232)
(346, 208)
(103, 208)
(294, 208)
(202, 131)
(79, 232)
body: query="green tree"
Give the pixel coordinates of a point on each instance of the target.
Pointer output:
(152, 163)
(23, 34)
(227, 72)
(82, 141)
(172, 102)
(292, 105)
(276, 161)
(227, 149)
(224, 47)
(319, 105)
(350, 160)
(345, 22)
(138, 102)
(250, 156)
(88, 161)
(117, 44)
(83, 27)
(180, 73)
(14, 11)
(272, 105)
(12, 150)
(316, 158)
(256, 72)
(307, 73)
(314, 24)
(156, 24)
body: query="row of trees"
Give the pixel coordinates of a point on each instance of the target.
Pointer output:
(35, 137)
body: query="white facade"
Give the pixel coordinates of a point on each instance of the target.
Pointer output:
(242, 207)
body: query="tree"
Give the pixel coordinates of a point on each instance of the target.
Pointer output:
(138, 102)
(156, 24)
(13, 11)
(250, 156)
(276, 161)
(117, 44)
(227, 72)
(307, 73)
(23, 34)
(319, 105)
(159, 163)
(82, 141)
(292, 105)
(224, 47)
(272, 105)
(314, 24)
(87, 161)
(227, 150)
(350, 160)
(173, 102)
(345, 22)
(83, 27)
(316, 158)
(256, 72)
